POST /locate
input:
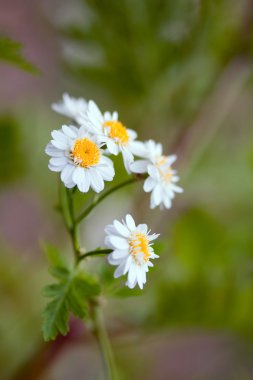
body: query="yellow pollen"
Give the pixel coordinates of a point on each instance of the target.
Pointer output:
(167, 176)
(164, 170)
(139, 247)
(117, 131)
(85, 153)
(161, 161)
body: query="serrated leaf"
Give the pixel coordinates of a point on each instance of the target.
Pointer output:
(56, 314)
(69, 295)
(76, 303)
(55, 318)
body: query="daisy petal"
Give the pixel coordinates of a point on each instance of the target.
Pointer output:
(58, 161)
(118, 242)
(149, 184)
(143, 228)
(121, 229)
(53, 151)
(119, 271)
(59, 144)
(68, 131)
(67, 172)
(132, 274)
(139, 166)
(130, 222)
(153, 172)
(119, 253)
(96, 180)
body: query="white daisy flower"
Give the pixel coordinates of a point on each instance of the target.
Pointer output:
(112, 132)
(70, 107)
(79, 158)
(162, 179)
(132, 250)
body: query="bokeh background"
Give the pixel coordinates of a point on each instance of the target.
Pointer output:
(179, 72)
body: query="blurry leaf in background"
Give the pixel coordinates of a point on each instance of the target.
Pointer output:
(54, 256)
(140, 52)
(20, 320)
(208, 281)
(10, 51)
(12, 158)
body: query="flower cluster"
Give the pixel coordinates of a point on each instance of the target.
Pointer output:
(80, 152)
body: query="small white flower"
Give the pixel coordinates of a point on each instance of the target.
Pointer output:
(79, 158)
(110, 131)
(132, 250)
(70, 107)
(162, 179)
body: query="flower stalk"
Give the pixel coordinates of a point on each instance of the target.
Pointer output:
(73, 228)
(99, 329)
(95, 253)
(101, 335)
(100, 198)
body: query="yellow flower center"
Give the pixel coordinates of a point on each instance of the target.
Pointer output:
(139, 248)
(85, 153)
(161, 161)
(164, 169)
(117, 131)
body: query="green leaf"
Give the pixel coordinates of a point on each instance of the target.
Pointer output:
(51, 290)
(54, 256)
(15, 166)
(56, 317)
(76, 303)
(10, 51)
(86, 286)
(70, 295)
(59, 272)
(56, 314)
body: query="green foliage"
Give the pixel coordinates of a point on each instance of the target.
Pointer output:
(54, 256)
(208, 279)
(13, 163)
(10, 51)
(140, 52)
(69, 295)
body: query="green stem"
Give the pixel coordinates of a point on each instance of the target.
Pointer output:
(64, 205)
(94, 253)
(67, 207)
(99, 199)
(73, 225)
(103, 343)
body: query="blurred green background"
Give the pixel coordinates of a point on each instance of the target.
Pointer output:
(179, 72)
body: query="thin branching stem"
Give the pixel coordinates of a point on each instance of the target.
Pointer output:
(99, 199)
(94, 253)
(73, 228)
(99, 329)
